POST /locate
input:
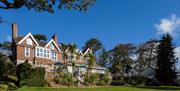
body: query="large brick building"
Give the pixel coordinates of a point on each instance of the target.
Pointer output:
(45, 54)
(36, 52)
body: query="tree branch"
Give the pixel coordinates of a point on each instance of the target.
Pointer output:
(16, 4)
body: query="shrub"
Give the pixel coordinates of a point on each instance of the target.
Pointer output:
(11, 86)
(65, 78)
(3, 87)
(6, 67)
(105, 79)
(91, 79)
(117, 80)
(137, 80)
(30, 76)
(7, 72)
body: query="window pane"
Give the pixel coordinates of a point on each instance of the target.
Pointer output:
(41, 50)
(27, 52)
(38, 54)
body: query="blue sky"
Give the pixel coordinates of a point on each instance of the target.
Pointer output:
(111, 21)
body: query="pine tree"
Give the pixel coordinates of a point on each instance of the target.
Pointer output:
(166, 71)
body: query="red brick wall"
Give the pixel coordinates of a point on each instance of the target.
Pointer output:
(21, 54)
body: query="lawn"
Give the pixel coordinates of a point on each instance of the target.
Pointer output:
(118, 88)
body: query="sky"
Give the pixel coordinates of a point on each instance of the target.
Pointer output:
(111, 21)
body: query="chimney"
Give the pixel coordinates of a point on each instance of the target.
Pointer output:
(54, 37)
(14, 31)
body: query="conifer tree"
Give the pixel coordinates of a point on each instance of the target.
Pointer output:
(166, 71)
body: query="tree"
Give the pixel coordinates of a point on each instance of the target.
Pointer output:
(93, 43)
(146, 56)
(72, 48)
(166, 71)
(91, 60)
(121, 57)
(40, 37)
(47, 5)
(7, 72)
(7, 68)
(103, 58)
(63, 49)
(30, 76)
(6, 45)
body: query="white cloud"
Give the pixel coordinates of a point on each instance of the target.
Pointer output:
(9, 38)
(177, 51)
(169, 25)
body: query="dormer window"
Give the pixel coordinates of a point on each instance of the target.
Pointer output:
(28, 41)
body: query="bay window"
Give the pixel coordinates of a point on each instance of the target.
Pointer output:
(42, 52)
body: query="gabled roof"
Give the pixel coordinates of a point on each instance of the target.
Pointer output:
(66, 49)
(76, 50)
(52, 41)
(80, 52)
(28, 35)
(87, 50)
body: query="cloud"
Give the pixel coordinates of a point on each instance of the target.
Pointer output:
(169, 25)
(177, 51)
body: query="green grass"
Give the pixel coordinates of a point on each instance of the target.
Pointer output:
(114, 88)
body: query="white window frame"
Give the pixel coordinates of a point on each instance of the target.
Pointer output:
(42, 52)
(27, 50)
(54, 56)
(37, 52)
(48, 53)
(29, 41)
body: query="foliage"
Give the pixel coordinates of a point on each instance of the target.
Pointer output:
(47, 5)
(63, 47)
(111, 88)
(121, 61)
(72, 49)
(91, 60)
(6, 45)
(91, 79)
(40, 37)
(7, 72)
(166, 71)
(3, 87)
(93, 43)
(29, 76)
(104, 58)
(136, 80)
(65, 78)
(104, 79)
(146, 56)
(7, 69)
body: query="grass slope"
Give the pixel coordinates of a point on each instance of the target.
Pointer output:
(118, 88)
